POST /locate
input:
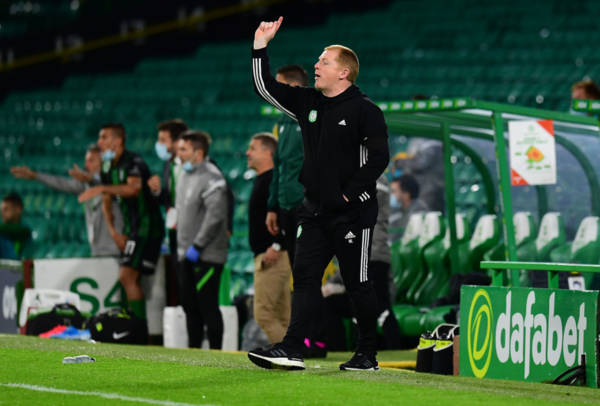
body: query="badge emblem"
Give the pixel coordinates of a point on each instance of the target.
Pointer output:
(312, 116)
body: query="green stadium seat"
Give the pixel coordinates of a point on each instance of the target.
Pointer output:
(550, 235)
(410, 261)
(437, 262)
(485, 236)
(430, 247)
(584, 249)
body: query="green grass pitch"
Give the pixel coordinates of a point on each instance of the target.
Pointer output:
(32, 373)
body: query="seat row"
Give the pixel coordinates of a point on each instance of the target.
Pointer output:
(421, 259)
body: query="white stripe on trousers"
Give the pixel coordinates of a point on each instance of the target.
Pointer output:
(257, 72)
(364, 255)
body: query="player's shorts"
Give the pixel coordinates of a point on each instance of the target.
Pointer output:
(141, 253)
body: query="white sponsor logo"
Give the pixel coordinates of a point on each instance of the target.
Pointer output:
(343, 122)
(350, 237)
(524, 338)
(118, 336)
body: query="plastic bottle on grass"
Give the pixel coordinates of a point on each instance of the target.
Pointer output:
(78, 359)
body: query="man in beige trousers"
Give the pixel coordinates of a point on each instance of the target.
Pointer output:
(272, 270)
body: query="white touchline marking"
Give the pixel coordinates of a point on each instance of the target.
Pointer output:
(99, 394)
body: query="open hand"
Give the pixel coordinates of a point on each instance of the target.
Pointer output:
(23, 172)
(76, 173)
(266, 32)
(271, 223)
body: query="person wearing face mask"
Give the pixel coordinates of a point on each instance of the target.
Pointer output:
(124, 177)
(345, 151)
(202, 239)
(164, 189)
(406, 189)
(101, 242)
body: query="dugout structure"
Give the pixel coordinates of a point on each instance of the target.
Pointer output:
(464, 123)
(510, 331)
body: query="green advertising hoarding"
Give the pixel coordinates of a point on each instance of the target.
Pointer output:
(527, 334)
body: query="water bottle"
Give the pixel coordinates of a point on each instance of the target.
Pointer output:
(78, 359)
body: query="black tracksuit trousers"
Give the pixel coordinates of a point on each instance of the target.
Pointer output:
(199, 296)
(320, 236)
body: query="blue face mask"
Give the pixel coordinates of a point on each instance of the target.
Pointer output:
(162, 152)
(188, 166)
(108, 155)
(395, 203)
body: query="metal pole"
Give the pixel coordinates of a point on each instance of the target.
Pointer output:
(505, 197)
(450, 200)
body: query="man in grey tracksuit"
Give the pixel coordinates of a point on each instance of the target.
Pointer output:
(202, 240)
(379, 267)
(101, 242)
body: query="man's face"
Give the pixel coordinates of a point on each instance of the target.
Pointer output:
(164, 137)
(106, 139)
(186, 152)
(579, 93)
(396, 190)
(177, 148)
(328, 71)
(401, 196)
(93, 162)
(11, 213)
(257, 154)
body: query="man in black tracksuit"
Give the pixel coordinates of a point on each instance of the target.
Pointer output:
(345, 150)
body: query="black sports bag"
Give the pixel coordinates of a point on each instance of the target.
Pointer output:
(64, 314)
(118, 326)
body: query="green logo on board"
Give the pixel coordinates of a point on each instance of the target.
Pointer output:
(312, 116)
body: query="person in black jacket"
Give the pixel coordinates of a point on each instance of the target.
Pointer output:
(164, 189)
(345, 150)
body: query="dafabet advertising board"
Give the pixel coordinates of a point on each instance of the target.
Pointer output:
(527, 334)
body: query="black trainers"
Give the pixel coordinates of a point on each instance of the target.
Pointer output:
(361, 362)
(276, 357)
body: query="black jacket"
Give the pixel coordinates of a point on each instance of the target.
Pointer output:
(344, 137)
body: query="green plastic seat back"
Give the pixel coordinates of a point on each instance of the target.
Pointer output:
(586, 244)
(550, 235)
(525, 235)
(409, 255)
(463, 235)
(431, 248)
(485, 236)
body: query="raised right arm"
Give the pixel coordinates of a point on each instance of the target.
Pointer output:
(285, 98)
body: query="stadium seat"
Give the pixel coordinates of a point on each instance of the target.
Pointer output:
(437, 261)
(409, 254)
(584, 249)
(430, 240)
(550, 235)
(525, 235)
(485, 236)
(463, 235)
